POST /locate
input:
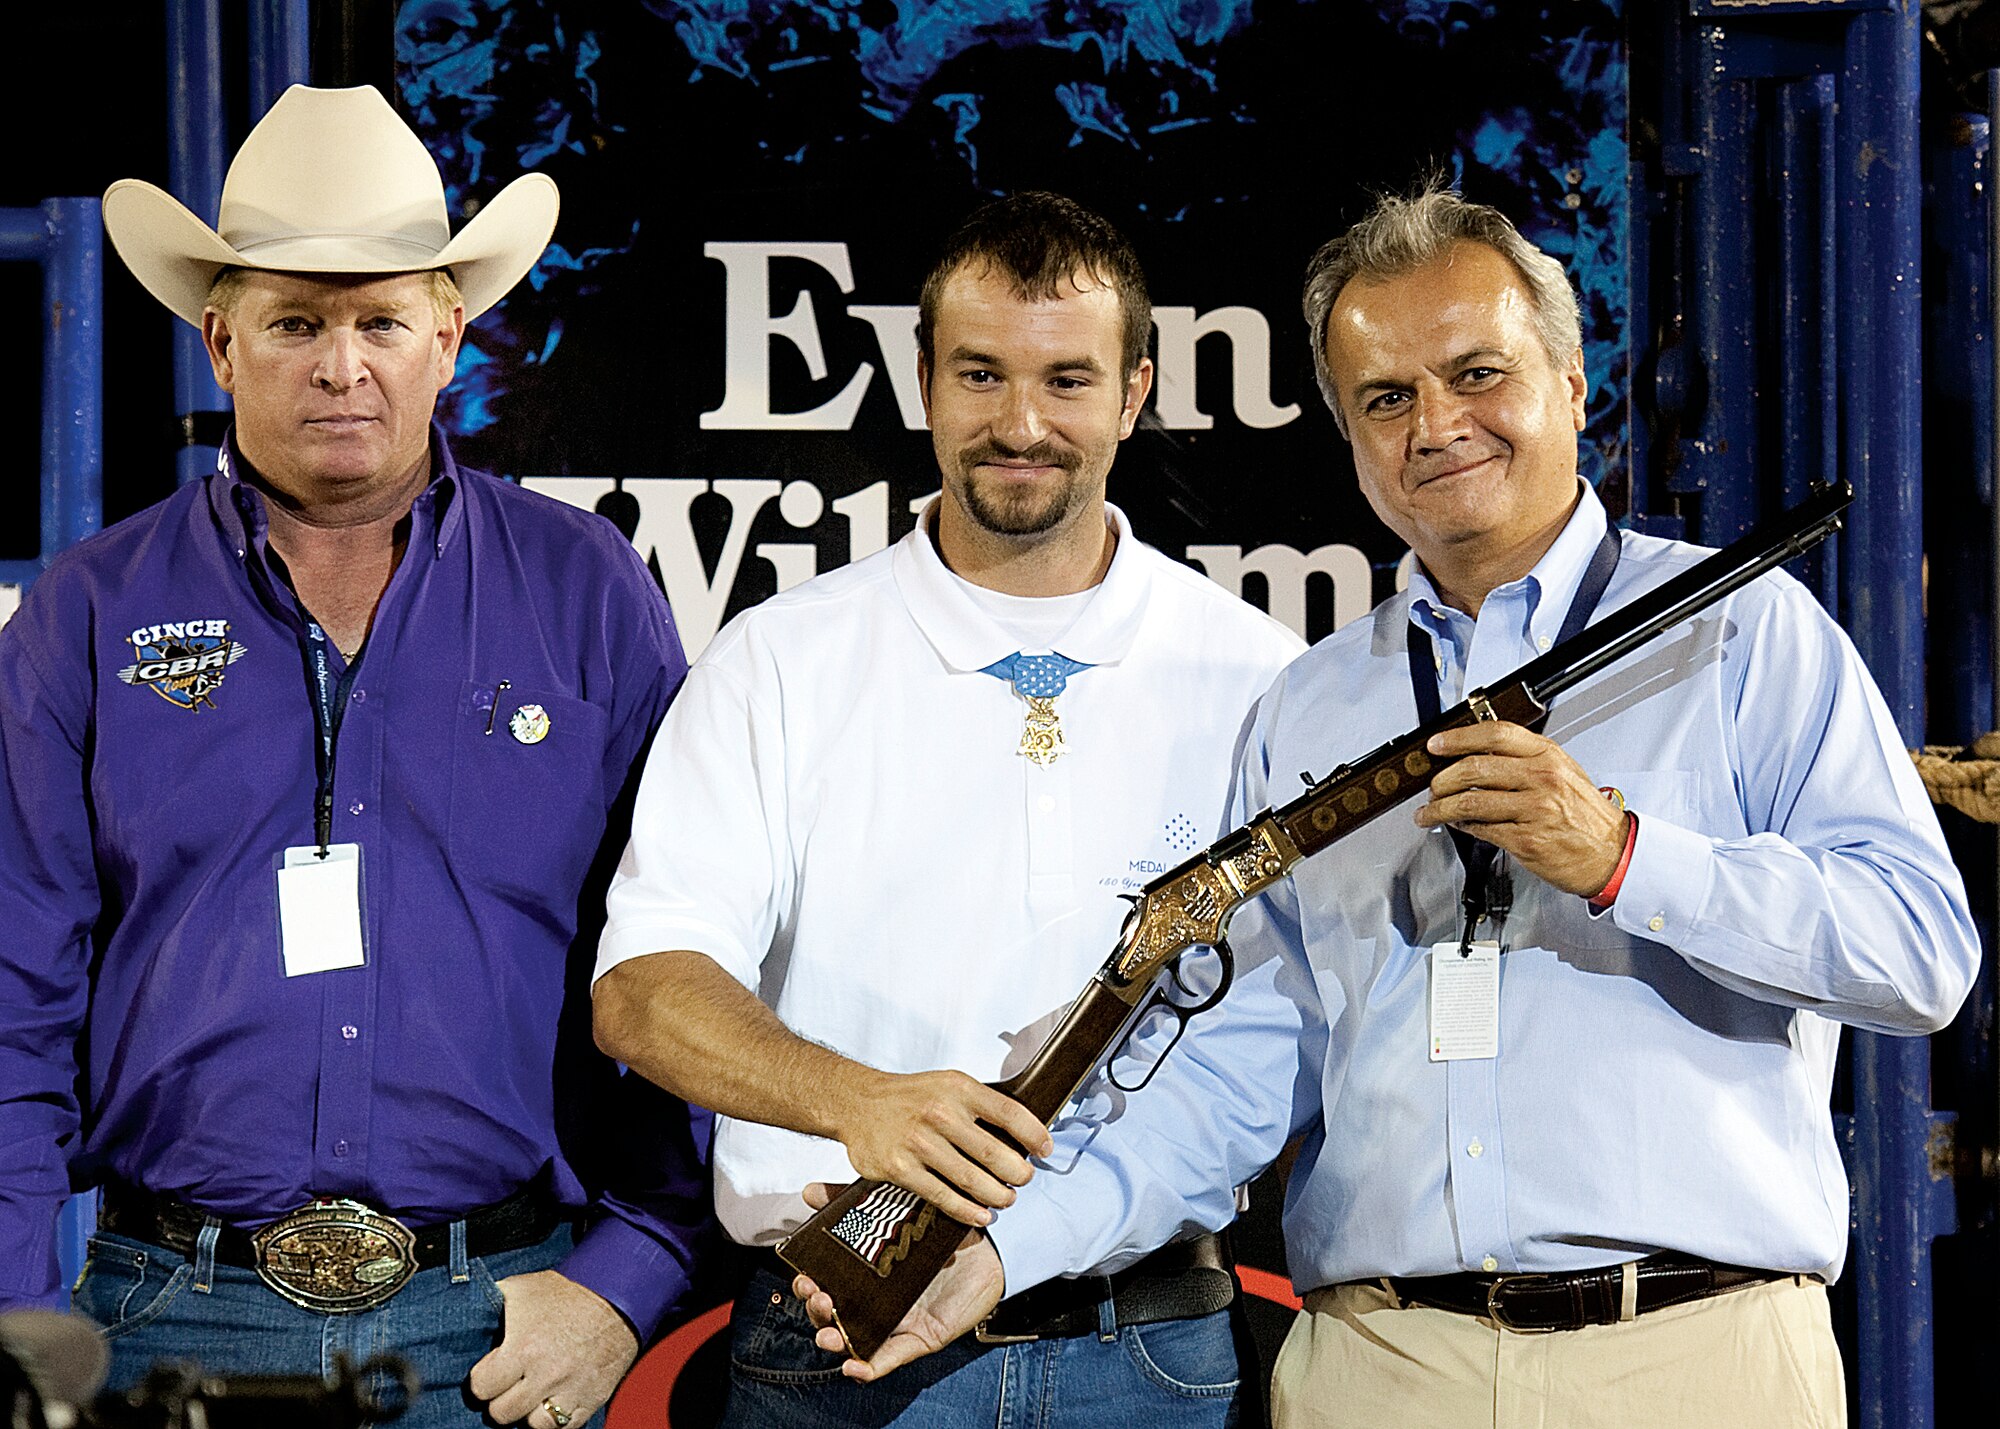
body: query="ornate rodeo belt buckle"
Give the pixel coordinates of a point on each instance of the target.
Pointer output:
(336, 1257)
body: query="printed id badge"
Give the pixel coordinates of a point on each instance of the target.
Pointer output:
(319, 909)
(1465, 1002)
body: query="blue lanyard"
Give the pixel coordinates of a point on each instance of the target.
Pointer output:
(329, 703)
(1489, 891)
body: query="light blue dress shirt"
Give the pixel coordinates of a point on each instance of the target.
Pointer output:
(1664, 1069)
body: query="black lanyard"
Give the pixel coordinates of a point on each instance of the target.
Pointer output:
(329, 703)
(1489, 887)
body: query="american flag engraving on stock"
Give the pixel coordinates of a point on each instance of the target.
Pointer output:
(872, 1226)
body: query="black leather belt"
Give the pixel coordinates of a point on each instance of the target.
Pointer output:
(1573, 1299)
(1176, 1282)
(528, 1217)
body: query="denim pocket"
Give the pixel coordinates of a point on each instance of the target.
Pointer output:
(771, 1339)
(125, 1285)
(1194, 1357)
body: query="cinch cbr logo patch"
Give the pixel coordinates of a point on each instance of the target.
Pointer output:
(182, 660)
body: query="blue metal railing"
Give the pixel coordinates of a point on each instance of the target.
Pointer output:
(64, 236)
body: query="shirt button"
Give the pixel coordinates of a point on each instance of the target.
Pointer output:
(360, 695)
(1475, 1149)
(1542, 642)
(1489, 1265)
(1656, 922)
(350, 1032)
(1047, 803)
(340, 1148)
(356, 807)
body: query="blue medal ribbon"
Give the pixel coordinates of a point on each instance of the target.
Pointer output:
(1035, 676)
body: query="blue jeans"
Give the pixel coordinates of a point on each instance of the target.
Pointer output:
(156, 1304)
(1180, 1374)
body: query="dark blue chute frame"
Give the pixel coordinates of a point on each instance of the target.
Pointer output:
(1776, 283)
(65, 236)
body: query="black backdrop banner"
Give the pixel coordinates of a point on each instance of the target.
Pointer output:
(718, 350)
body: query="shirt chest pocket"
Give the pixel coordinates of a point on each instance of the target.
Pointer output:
(527, 790)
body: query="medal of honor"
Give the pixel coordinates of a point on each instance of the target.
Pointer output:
(1042, 732)
(1038, 679)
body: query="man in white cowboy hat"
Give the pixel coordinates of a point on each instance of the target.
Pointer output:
(304, 773)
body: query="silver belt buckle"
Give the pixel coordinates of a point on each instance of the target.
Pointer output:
(1497, 1313)
(995, 1337)
(337, 1257)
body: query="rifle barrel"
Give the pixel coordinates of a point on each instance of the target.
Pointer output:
(1770, 543)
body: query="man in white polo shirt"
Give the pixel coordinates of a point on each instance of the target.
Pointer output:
(883, 833)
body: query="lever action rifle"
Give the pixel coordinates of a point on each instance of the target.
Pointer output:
(875, 1247)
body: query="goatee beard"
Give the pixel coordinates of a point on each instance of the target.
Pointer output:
(1019, 512)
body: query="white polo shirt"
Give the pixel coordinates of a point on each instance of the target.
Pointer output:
(836, 812)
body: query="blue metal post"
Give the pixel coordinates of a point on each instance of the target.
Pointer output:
(1720, 458)
(1901, 1199)
(73, 370)
(195, 141)
(1959, 449)
(279, 54)
(1809, 319)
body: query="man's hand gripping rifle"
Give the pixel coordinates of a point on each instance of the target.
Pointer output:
(875, 1247)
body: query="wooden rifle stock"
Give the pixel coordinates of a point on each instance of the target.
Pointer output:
(876, 1247)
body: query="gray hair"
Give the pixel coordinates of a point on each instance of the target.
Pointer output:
(1400, 235)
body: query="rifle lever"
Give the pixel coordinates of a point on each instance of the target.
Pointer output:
(1183, 1013)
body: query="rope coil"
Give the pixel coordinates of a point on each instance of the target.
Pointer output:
(1964, 777)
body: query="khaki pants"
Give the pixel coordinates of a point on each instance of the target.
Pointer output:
(1762, 1356)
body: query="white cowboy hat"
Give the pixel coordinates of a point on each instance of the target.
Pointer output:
(330, 181)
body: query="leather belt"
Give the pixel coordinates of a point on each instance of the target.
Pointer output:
(1572, 1299)
(333, 1256)
(1179, 1281)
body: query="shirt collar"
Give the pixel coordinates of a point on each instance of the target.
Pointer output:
(1547, 589)
(239, 506)
(967, 638)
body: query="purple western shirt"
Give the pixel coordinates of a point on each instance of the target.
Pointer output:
(157, 757)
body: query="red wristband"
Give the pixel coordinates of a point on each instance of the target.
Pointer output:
(1608, 894)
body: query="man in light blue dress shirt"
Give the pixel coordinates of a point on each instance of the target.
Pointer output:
(1718, 853)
